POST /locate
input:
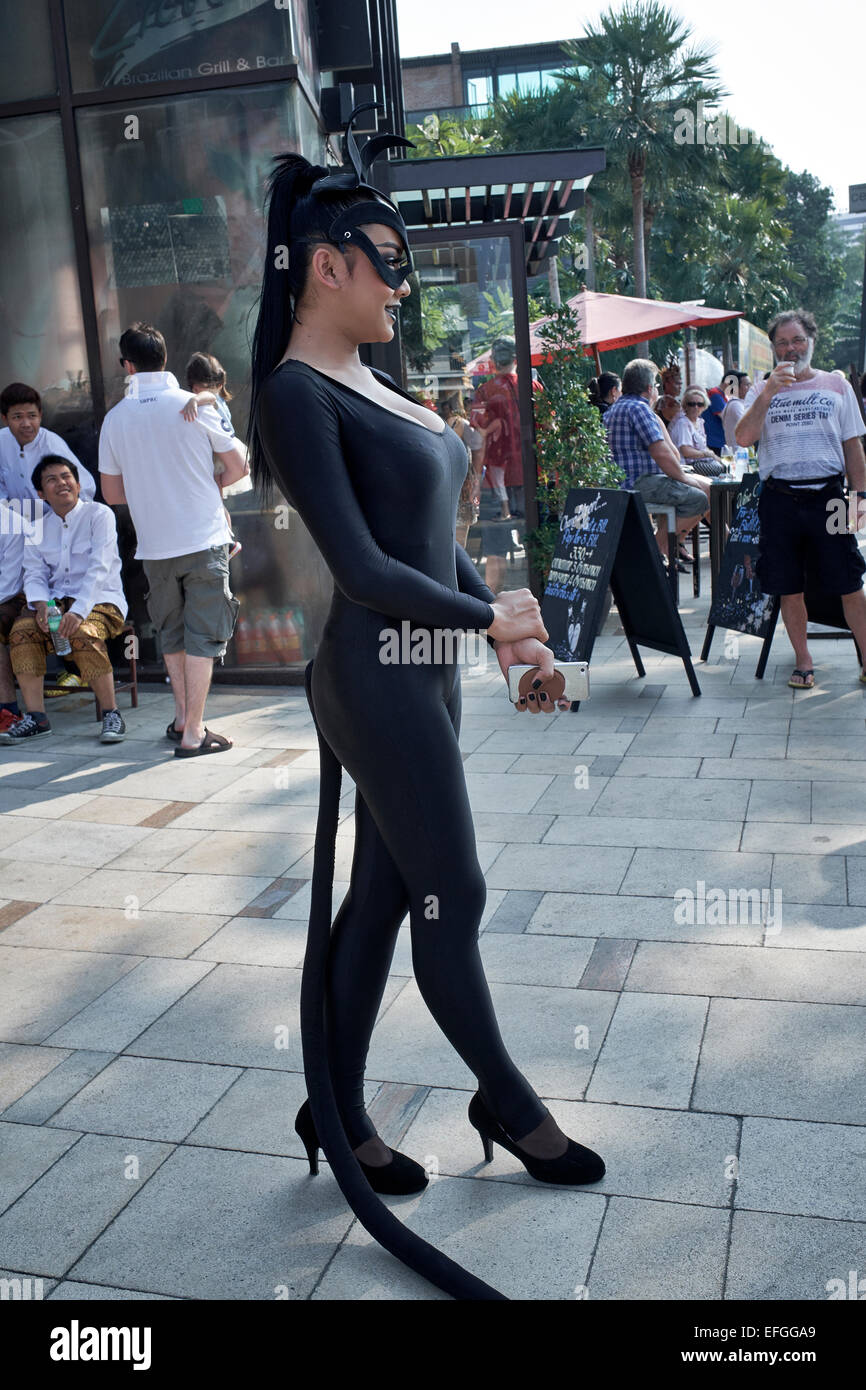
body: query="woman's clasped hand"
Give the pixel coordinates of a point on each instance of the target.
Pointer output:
(520, 635)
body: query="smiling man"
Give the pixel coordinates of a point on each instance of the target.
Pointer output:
(73, 559)
(809, 427)
(24, 441)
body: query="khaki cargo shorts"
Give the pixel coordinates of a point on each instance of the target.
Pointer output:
(190, 602)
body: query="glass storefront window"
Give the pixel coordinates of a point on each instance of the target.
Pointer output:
(27, 58)
(506, 83)
(177, 239)
(461, 305)
(134, 42)
(42, 339)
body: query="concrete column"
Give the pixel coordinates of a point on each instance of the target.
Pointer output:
(457, 98)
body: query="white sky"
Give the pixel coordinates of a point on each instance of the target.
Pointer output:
(794, 69)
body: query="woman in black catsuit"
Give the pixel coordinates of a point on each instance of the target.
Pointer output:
(376, 478)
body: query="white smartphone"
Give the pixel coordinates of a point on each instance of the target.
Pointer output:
(573, 682)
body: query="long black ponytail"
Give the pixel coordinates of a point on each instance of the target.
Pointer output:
(295, 214)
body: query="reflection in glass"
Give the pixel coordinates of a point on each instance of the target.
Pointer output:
(479, 91)
(26, 58)
(41, 329)
(178, 237)
(458, 342)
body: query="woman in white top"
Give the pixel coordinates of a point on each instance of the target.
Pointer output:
(687, 430)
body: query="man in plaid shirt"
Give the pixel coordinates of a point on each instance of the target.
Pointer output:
(641, 446)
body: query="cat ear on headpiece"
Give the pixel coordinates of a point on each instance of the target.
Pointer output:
(378, 143)
(356, 163)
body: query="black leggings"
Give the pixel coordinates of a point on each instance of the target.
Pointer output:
(414, 850)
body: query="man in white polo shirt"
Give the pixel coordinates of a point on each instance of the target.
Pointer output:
(809, 426)
(24, 441)
(161, 466)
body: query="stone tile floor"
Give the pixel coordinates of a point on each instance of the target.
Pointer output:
(675, 936)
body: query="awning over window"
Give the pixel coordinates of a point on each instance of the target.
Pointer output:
(541, 189)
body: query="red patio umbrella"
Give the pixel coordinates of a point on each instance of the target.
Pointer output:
(609, 321)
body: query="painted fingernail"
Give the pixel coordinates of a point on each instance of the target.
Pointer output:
(536, 684)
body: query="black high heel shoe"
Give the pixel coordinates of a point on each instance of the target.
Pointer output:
(400, 1176)
(576, 1165)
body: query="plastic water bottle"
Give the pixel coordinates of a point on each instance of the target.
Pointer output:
(62, 645)
(741, 463)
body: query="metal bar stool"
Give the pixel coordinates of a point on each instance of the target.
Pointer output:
(670, 516)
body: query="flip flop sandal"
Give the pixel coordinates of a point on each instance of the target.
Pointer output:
(807, 682)
(211, 743)
(863, 677)
(173, 732)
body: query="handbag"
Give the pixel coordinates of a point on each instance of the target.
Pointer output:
(708, 467)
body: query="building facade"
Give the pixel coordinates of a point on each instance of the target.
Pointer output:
(135, 144)
(466, 83)
(136, 137)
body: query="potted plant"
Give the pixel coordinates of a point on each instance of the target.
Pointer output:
(571, 441)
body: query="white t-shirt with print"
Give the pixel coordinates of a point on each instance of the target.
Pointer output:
(166, 463)
(806, 426)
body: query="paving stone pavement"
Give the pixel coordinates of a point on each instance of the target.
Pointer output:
(675, 939)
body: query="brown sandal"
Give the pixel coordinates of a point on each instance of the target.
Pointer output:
(211, 743)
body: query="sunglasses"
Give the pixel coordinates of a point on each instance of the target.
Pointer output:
(689, 404)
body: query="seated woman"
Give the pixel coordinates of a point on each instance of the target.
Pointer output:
(605, 390)
(689, 435)
(668, 409)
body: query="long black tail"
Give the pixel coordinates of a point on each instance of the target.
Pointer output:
(418, 1254)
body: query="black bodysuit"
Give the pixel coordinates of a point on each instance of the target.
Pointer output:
(378, 493)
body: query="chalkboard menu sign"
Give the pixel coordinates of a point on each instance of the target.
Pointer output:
(589, 532)
(739, 602)
(605, 538)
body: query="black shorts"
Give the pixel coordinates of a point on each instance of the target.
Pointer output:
(801, 545)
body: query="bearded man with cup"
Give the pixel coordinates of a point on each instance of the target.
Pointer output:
(808, 428)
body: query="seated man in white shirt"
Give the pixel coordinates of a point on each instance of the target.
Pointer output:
(12, 600)
(76, 563)
(24, 441)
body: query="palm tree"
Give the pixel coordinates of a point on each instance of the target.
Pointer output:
(748, 266)
(650, 77)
